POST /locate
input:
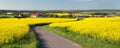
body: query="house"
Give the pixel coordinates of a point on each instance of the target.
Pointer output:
(34, 15)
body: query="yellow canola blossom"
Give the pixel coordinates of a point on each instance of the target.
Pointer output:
(12, 29)
(104, 28)
(63, 14)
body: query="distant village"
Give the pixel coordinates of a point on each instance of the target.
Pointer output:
(59, 13)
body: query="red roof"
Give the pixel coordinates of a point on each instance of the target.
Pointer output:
(33, 14)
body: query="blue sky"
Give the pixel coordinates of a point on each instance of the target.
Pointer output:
(59, 4)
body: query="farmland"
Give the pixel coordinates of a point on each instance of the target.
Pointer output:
(13, 29)
(60, 24)
(90, 32)
(102, 32)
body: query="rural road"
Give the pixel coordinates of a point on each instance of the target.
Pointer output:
(51, 40)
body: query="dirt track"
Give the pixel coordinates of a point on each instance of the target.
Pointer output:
(51, 40)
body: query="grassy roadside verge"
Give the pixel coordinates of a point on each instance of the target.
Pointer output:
(28, 41)
(85, 41)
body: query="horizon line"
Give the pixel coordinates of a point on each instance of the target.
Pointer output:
(55, 9)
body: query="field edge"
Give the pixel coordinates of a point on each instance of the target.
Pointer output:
(83, 40)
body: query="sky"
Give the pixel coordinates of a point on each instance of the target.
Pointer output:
(59, 4)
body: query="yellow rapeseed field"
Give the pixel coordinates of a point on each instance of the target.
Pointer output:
(104, 28)
(12, 29)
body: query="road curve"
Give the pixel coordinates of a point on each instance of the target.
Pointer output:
(51, 40)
